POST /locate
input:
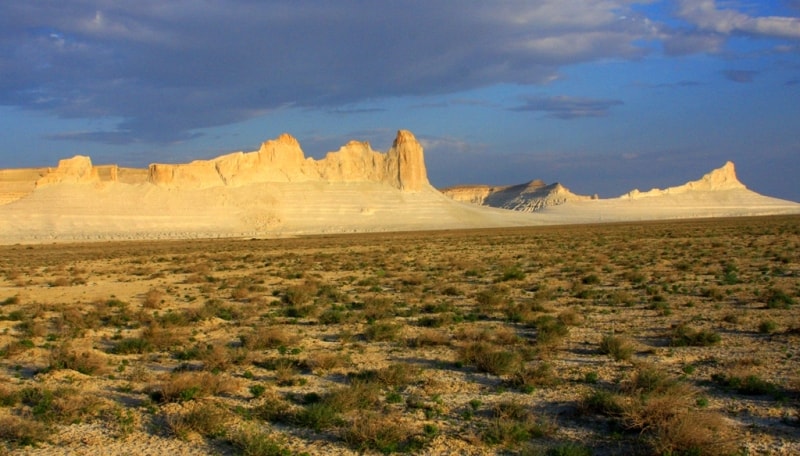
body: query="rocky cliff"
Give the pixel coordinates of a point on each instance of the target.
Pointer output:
(529, 197)
(282, 160)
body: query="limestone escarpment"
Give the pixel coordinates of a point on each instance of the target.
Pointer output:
(75, 170)
(529, 197)
(282, 160)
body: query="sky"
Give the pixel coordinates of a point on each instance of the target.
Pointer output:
(603, 96)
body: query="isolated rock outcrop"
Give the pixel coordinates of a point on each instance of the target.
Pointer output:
(529, 197)
(75, 170)
(720, 179)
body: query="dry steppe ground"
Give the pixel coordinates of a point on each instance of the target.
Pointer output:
(643, 338)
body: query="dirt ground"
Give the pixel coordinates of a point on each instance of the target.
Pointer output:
(637, 338)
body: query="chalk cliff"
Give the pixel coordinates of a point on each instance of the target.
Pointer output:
(75, 170)
(282, 160)
(277, 191)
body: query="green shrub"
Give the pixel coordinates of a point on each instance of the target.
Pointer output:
(779, 299)
(767, 326)
(317, 416)
(131, 345)
(383, 330)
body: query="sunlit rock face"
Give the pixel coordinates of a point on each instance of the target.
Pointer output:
(529, 197)
(282, 160)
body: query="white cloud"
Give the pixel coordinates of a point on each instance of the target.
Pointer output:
(707, 16)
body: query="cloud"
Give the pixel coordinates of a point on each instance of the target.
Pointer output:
(705, 15)
(563, 107)
(170, 69)
(740, 76)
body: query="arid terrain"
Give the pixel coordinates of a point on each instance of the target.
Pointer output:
(676, 337)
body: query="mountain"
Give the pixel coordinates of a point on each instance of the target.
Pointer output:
(529, 197)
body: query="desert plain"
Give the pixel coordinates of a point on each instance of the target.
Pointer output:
(663, 337)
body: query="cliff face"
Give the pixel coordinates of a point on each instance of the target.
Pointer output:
(75, 170)
(282, 160)
(528, 197)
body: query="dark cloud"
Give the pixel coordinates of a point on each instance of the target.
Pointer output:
(740, 76)
(166, 70)
(563, 107)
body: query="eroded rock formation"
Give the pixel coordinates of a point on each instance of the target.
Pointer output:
(723, 178)
(282, 160)
(75, 170)
(528, 197)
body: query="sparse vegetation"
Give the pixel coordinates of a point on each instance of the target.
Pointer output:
(639, 338)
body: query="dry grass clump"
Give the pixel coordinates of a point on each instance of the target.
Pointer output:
(380, 432)
(61, 405)
(88, 362)
(264, 337)
(153, 299)
(325, 361)
(665, 410)
(187, 386)
(428, 337)
(207, 419)
(618, 347)
(686, 336)
(512, 424)
(19, 431)
(490, 358)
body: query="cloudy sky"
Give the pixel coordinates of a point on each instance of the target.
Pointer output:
(601, 95)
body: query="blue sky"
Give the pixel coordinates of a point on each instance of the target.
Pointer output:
(601, 95)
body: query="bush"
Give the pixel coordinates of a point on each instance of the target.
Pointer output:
(767, 326)
(549, 330)
(20, 431)
(187, 386)
(619, 348)
(87, 362)
(683, 336)
(265, 337)
(317, 416)
(206, 419)
(490, 358)
(779, 299)
(383, 330)
(748, 384)
(380, 432)
(131, 345)
(251, 441)
(512, 424)
(529, 378)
